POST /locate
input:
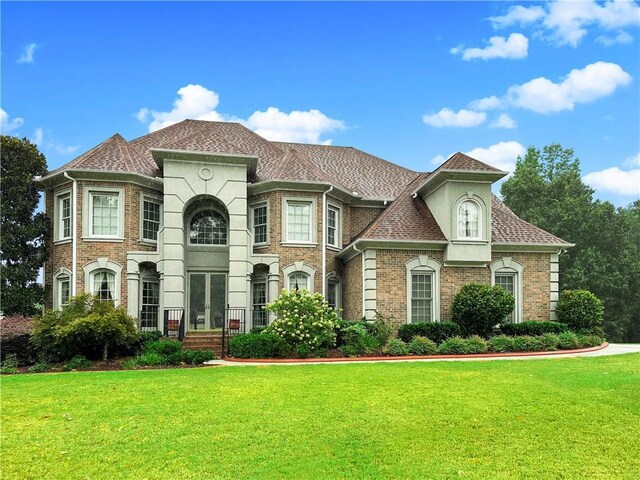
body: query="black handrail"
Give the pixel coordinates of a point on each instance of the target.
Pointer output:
(174, 323)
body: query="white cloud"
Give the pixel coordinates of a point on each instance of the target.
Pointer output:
(8, 125)
(503, 121)
(516, 46)
(448, 118)
(488, 103)
(27, 53)
(632, 161)
(439, 159)
(38, 136)
(615, 180)
(566, 21)
(199, 103)
(585, 85)
(502, 155)
(621, 38)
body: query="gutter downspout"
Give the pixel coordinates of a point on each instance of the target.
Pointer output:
(324, 241)
(74, 243)
(355, 248)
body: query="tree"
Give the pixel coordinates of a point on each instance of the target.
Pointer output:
(24, 232)
(547, 190)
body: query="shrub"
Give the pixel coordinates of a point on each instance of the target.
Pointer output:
(263, 345)
(568, 341)
(15, 338)
(151, 359)
(357, 340)
(590, 340)
(39, 367)
(478, 308)
(303, 350)
(258, 329)
(525, 343)
(341, 326)
(322, 353)
(580, 310)
(501, 344)
(163, 347)
(10, 364)
(79, 362)
(130, 364)
(396, 347)
(435, 331)
(533, 328)
(382, 329)
(476, 344)
(303, 318)
(197, 357)
(422, 346)
(150, 336)
(453, 346)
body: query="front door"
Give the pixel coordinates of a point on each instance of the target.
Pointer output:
(207, 300)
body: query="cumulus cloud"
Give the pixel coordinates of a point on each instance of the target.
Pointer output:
(566, 23)
(632, 161)
(27, 53)
(616, 180)
(502, 155)
(488, 103)
(585, 85)
(448, 118)
(515, 46)
(7, 125)
(503, 121)
(620, 38)
(38, 137)
(199, 103)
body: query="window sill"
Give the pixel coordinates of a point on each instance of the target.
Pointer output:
(469, 241)
(148, 243)
(104, 239)
(62, 241)
(260, 245)
(299, 244)
(334, 248)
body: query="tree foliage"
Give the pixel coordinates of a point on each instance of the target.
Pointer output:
(24, 232)
(547, 190)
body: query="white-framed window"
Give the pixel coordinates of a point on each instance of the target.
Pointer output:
(509, 274)
(64, 222)
(149, 303)
(151, 214)
(299, 220)
(298, 281)
(260, 224)
(423, 289)
(259, 301)
(469, 220)
(208, 227)
(334, 226)
(103, 285)
(61, 288)
(103, 216)
(299, 275)
(334, 293)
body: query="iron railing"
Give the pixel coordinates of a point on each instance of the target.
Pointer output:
(174, 323)
(234, 324)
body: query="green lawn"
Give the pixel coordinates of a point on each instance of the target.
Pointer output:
(557, 418)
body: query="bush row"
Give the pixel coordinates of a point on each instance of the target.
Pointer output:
(168, 352)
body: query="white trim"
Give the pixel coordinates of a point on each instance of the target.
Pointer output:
(299, 267)
(103, 264)
(61, 272)
(187, 228)
(338, 236)
(472, 199)
(252, 207)
(58, 238)
(87, 217)
(425, 264)
(506, 265)
(312, 221)
(145, 197)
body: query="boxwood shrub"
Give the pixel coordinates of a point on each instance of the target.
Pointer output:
(476, 344)
(478, 308)
(501, 344)
(435, 331)
(568, 341)
(453, 346)
(533, 328)
(580, 309)
(262, 345)
(396, 347)
(422, 346)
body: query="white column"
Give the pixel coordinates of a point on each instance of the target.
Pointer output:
(554, 279)
(369, 293)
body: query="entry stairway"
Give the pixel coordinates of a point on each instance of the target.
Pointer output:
(206, 340)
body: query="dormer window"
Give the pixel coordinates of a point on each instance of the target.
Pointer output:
(469, 220)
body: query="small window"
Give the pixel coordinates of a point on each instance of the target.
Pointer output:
(64, 216)
(508, 282)
(298, 281)
(333, 293)
(298, 221)
(104, 285)
(333, 226)
(150, 219)
(104, 214)
(421, 297)
(150, 305)
(208, 227)
(259, 222)
(63, 288)
(468, 220)
(258, 302)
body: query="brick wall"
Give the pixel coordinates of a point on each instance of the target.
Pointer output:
(361, 217)
(352, 289)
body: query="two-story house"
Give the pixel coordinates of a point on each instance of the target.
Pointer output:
(205, 222)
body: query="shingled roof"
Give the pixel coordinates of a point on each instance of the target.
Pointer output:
(460, 161)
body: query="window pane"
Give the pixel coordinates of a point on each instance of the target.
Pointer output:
(105, 213)
(65, 217)
(299, 280)
(332, 294)
(208, 228)
(421, 297)
(104, 285)
(260, 224)
(332, 226)
(259, 300)
(150, 220)
(468, 220)
(64, 287)
(298, 222)
(508, 282)
(150, 304)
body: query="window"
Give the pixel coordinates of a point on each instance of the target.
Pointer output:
(469, 220)
(333, 293)
(61, 288)
(150, 304)
(64, 216)
(259, 222)
(104, 214)
(299, 221)
(258, 302)
(150, 219)
(508, 282)
(104, 285)
(298, 281)
(421, 297)
(208, 227)
(333, 227)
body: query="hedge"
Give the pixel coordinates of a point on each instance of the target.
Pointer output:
(261, 345)
(533, 328)
(435, 331)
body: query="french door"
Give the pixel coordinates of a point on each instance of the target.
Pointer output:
(207, 300)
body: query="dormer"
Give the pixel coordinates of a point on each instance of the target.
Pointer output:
(458, 193)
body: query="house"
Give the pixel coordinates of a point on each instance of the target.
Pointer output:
(200, 224)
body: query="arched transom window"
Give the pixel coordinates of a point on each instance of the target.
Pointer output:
(104, 285)
(468, 220)
(208, 227)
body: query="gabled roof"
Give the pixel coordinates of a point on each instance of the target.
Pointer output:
(460, 161)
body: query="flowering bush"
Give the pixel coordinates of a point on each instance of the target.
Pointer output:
(303, 319)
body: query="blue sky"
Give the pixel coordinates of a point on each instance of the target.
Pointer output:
(409, 82)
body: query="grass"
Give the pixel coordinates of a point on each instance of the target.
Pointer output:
(557, 418)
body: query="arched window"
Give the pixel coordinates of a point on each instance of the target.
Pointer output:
(423, 290)
(103, 285)
(299, 275)
(298, 280)
(61, 288)
(469, 220)
(508, 274)
(334, 292)
(208, 227)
